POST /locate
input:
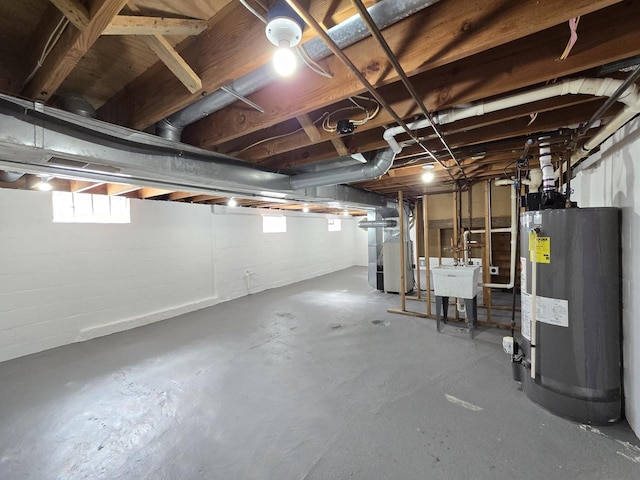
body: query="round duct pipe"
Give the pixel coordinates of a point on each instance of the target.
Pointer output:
(365, 224)
(10, 177)
(74, 103)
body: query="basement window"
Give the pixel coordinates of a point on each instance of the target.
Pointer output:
(272, 224)
(88, 208)
(334, 224)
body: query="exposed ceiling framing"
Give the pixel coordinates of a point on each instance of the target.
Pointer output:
(140, 61)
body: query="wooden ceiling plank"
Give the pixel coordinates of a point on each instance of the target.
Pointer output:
(141, 25)
(219, 56)
(462, 29)
(115, 189)
(75, 12)
(71, 47)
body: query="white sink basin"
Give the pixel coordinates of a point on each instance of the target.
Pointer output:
(460, 282)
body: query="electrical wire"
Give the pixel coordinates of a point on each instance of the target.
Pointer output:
(312, 64)
(254, 11)
(275, 137)
(329, 127)
(51, 42)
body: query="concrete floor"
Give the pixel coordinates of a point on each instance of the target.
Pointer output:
(310, 381)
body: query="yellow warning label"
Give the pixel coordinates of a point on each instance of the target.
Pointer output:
(543, 249)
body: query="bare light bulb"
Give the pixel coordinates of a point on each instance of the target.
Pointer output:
(284, 60)
(232, 202)
(44, 185)
(305, 209)
(345, 213)
(427, 177)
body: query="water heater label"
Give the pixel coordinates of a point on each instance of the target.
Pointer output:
(541, 250)
(523, 274)
(552, 311)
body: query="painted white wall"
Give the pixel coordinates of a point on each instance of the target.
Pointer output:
(612, 179)
(62, 283)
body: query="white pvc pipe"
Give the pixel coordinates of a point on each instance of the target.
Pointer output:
(610, 128)
(494, 230)
(600, 87)
(548, 177)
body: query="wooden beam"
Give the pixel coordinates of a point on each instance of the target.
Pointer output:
(174, 62)
(114, 189)
(180, 195)
(448, 31)
(219, 56)
(340, 147)
(204, 198)
(75, 12)
(140, 25)
(78, 186)
(372, 140)
(283, 145)
(486, 274)
(309, 128)
(149, 192)
(71, 47)
(170, 57)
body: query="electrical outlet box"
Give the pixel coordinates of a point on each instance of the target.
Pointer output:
(494, 270)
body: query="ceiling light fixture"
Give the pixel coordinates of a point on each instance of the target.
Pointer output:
(232, 202)
(43, 185)
(284, 30)
(345, 213)
(305, 209)
(427, 176)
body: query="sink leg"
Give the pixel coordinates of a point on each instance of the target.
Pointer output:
(471, 306)
(442, 309)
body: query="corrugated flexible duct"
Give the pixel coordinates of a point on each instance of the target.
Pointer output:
(384, 13)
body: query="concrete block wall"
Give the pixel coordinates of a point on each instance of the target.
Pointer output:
(249, 261)
(612, 179)
(62, 283)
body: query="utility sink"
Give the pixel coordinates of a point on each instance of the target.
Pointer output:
(459, 281)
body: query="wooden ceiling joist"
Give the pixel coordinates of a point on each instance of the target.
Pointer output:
(140, 25)
(71, 47)
(220, 56)
(120, 189)
(170, 56)
(462, 29)
(75, 12)
(486, 75)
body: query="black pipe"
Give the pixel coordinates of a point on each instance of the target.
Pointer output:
(375, 31)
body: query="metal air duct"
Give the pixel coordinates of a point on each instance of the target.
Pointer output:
(32, 134)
